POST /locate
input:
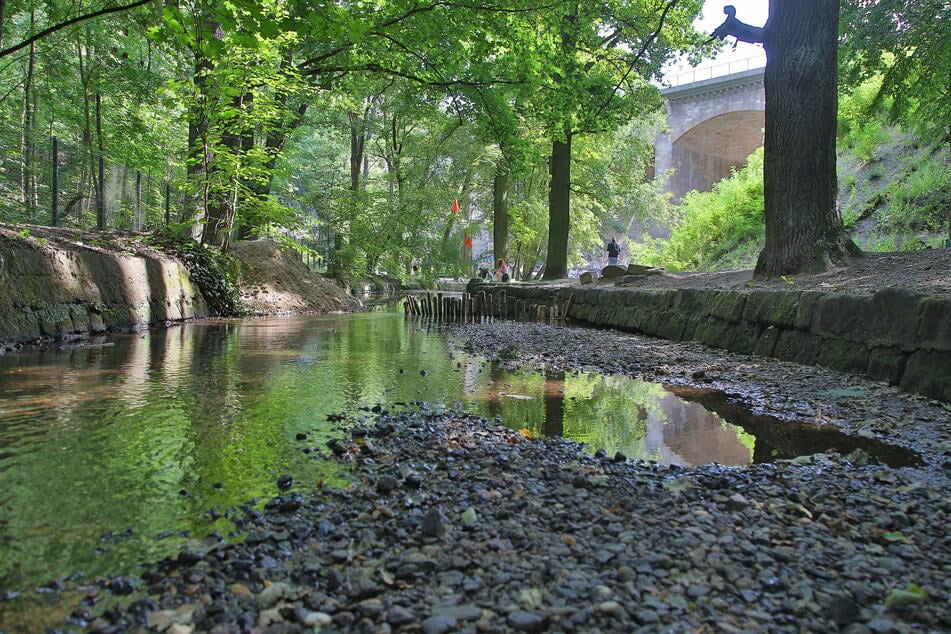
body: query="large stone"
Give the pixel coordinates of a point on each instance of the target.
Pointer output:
(691, 302)
(740, 338)
(797, 346)
(654, 299)
(772, 308)
(667, 325)
(928, 373)
(766, 344)
(806, 309)
(934, 324)
(846, 356)
(886, 364)
(587, 277)
(613, 270)
(643, 269)
(895, 316)
(728, 305)
(843, 316)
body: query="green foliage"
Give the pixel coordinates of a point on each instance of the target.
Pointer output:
(213, 273)
(859, 130)
(720, 229)
(896, 181)
(907, 45)
(50, 90)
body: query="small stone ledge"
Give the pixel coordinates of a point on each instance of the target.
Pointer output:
(896, 335)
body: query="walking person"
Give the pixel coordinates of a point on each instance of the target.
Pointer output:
(614, 250)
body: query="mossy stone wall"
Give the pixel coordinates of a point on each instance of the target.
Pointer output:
(49, 292)
(896, 335)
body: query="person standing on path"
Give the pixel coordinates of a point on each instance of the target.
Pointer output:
(614, 250)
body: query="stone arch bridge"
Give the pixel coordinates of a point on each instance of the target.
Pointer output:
(714, 125)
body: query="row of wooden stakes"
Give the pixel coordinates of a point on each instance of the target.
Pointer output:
(463, 307)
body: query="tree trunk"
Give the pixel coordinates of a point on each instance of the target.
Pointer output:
(358, 138)
(500, 212)
(559, 221)
(101, 175)
(85, 197)
(198, 152)
(27, 119)
(237, 140)
(804, 230)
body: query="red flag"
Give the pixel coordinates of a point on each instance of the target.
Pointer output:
(468, 241)
(455, 206)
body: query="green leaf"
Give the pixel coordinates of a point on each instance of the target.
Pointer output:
(911, 595)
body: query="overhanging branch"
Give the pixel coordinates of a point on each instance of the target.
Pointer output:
(62, 25)
(638, 56)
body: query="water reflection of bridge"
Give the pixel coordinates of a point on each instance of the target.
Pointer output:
(692, 434)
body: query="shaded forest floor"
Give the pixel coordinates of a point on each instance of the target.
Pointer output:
(928, 271)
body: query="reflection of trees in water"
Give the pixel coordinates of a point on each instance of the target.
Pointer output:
(554, 395)
(610, 412)
(642, 420)
(494, 396)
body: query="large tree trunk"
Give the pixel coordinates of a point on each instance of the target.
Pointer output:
(804, 230)
(559, 220)
(500, 212)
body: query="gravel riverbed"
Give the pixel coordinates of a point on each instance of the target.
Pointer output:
(457, 524)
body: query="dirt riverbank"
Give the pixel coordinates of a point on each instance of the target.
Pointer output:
(927, 271)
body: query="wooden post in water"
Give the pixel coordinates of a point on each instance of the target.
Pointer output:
(571, 298)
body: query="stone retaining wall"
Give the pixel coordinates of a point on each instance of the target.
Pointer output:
(896, 335)
(47, 291)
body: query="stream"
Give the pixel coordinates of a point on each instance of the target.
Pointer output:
(117, 449)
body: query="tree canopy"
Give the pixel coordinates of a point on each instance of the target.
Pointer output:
(347, 129)
(908, 44)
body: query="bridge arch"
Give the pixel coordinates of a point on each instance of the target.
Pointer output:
(713, 126)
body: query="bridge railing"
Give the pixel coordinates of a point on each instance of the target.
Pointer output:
(717, 70)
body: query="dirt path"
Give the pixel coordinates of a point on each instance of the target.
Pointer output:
(928, 271)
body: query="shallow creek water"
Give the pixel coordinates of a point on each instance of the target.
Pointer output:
(116, 449)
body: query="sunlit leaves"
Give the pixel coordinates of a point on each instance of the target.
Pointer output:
(909, 45)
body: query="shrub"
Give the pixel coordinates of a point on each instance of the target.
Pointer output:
(213, 273)
(720, 228)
